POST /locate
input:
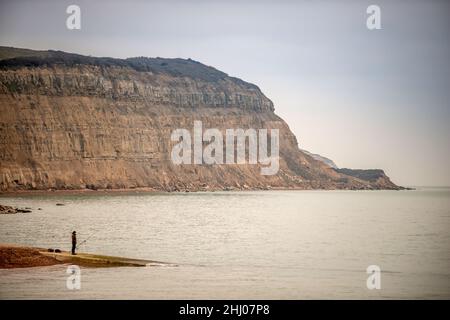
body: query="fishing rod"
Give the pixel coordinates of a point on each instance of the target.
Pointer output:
(84, 241)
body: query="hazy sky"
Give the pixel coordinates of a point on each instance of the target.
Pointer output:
(366, 99)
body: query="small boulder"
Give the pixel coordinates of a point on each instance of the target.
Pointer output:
(23, 210)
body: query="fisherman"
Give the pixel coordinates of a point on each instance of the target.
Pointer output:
(74, 242)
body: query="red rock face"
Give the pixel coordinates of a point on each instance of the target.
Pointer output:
(87, 125)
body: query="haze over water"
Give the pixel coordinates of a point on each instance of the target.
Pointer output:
(232, 245)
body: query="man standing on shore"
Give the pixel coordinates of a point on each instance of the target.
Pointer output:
(74, 242)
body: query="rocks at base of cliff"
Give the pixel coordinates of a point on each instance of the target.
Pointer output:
(12, 210)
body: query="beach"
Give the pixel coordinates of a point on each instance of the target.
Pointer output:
(15, 256)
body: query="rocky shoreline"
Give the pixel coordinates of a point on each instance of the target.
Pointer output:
(13, 210)
(175, 190)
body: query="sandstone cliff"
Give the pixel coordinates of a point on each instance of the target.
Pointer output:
(74, 122)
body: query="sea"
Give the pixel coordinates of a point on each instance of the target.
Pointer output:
(238, 245)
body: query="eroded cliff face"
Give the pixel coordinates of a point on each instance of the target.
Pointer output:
(78, 124)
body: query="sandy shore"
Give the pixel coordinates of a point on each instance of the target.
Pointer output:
(14, 256)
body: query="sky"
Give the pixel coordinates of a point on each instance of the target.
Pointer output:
(364, 98)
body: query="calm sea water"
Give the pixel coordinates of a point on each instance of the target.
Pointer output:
(233, 245)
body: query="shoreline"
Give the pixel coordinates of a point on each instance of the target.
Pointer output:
(79, 191)
(13, 256)
(152, 190)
